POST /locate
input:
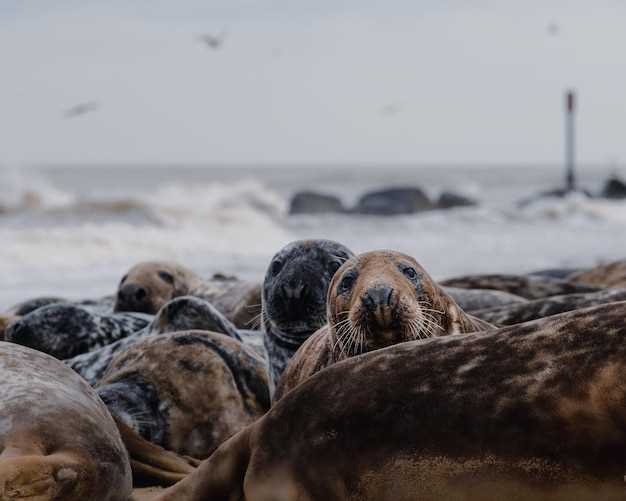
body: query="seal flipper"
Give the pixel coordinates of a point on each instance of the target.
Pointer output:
(219, 478)
(151, 464)
(36, 477)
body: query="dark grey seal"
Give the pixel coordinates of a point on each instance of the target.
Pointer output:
(294, 297)
(66, 330)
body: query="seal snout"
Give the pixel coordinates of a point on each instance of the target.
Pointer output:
(20, 333)
(132, 297)
(294, 290)
(378, 302)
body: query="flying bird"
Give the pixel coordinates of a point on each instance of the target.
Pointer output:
(390, 109)
(553, 28)
(213, 41)
(81, 109)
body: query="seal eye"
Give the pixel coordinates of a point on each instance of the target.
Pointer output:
(276, 267)
(123, 279)
(333, 266)
(347, 282)
(410, 273)
(166, 277)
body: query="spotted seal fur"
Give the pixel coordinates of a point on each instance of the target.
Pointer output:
(58, 442)
(535, 411)
(527, 286)
(180, 314)
(66, 330)
(186, 391)
(553, 305)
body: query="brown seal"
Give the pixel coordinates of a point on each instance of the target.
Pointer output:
(605, 275)
(5, 320)
(540, 308)
(526, 286)
(531, 412)
(149, 285)
(186, 391)
(375, 300)
(57, 439)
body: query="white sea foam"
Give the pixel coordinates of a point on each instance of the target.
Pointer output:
(78, 243)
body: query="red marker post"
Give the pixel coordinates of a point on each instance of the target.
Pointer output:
(570, 111)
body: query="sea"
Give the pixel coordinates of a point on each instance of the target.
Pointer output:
(73, 231)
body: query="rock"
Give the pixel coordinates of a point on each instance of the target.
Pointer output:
(614, 188)
(448, 199)
(392, 201)
(310, 202)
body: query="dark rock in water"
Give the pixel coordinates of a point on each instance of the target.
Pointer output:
(614, 188)
(448, 199)
(393, 201)
(309, 202)
(556, 193)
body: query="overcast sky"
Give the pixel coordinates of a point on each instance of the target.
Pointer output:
(321, 81)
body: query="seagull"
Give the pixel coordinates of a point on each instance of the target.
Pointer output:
(390, 109)
(213, 41)
(81, 109)
(553, 28)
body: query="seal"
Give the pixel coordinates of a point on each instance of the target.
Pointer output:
(149, 285)
(294, 297)
(605, 275)
(186, 391)
(529, 412)
(477, 299)
(5, 320)
(527, 286)
(541, 308)
(57, 439)
(180, 314)
(66, 330)
(375, 300)
(102, 305)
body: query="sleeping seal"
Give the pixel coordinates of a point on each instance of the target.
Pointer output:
(527, 286)
(186, 391)
(531, 412)
(180, 314)
(66, 330)
(375, 300)
(57, 439)
(553, 305)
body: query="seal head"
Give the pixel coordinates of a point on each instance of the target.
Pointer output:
(294, 295)
(383, 298)
(149, 285)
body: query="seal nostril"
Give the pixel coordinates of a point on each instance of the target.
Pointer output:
(389, 297)
(140, 293)
(368, 301)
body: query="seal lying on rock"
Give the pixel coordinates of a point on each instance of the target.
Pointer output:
(375, 300)
(57, 439)
(180, 314)
(541, 308)
(66, 330)
(149, 285)
(529, 412)
(294, 297)
(527, 286)
(186, 391)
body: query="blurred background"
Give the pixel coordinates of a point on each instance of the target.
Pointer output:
(214, 132)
